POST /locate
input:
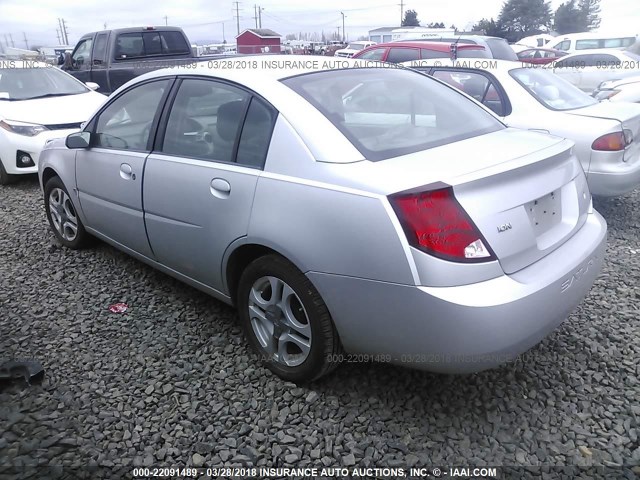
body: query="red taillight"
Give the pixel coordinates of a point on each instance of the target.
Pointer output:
(611, 142)
(435, 223)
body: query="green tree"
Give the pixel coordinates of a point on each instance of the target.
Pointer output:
(410, 19)
(489, 27)
(568, 19)
(590, 13)
(521, 18)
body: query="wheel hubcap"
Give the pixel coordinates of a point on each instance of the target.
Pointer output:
(279, 321)
(63, 215)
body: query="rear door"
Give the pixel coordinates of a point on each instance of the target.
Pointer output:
(109, 174)
(200, 180)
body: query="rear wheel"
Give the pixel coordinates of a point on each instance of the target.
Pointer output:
(5, 178)
(62, 216)
(286, 320)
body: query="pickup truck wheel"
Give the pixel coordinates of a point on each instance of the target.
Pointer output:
(62, 216)
(286, 320)
(5, 178)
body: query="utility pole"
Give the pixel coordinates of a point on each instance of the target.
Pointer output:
(224, 40)
(25, 40)
(66, 34)
(401, 11)
(12, 44)
(58, 35)
(166, 20)
(255, 14)
(343, 35)
(260, 16)
(338, 32)
(237, 17)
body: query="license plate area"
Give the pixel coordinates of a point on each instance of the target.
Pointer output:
(545, 212)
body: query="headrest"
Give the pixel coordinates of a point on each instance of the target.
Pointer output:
(229, 116)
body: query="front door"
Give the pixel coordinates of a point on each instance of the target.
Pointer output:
(109, 173)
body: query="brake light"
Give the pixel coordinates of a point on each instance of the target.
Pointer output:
(435, 223)
(149, 28)
(610, 142)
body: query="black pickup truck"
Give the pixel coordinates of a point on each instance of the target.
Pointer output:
(111, 58)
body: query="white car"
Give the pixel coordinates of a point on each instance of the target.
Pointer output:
(589, 69)
(626, 90)
(37, 103)
(352, 48)
(606, 135)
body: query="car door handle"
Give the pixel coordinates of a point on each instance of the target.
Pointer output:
(220, 188)
(126, 172)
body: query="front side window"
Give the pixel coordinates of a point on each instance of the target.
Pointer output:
(564, 45)
(551, 90)
(390, 112)
(82, 54)
(125, 124)
(373, 54)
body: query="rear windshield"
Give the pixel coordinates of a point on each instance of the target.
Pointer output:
(144, 44)
(501, 49)
(390, 112)
(551, 90)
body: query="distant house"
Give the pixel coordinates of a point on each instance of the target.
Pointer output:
(381, 35)
(258, 40)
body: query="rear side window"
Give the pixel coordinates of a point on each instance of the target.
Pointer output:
(399, 55)
(100, 49)
(173, 43)
(500, 49)
(256, 134)
(426, 53)
(390, 112)
(476, 85)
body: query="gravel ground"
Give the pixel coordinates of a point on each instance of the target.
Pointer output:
(172, 381)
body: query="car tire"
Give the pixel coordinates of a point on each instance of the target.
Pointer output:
(276, 300)
(5, 178)
(62, 216)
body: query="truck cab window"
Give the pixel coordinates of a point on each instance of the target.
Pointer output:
(82, 55)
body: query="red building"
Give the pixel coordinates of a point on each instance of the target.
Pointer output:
(258, 40)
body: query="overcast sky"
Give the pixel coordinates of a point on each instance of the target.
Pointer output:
(203, 20)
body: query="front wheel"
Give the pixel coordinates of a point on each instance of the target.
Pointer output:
(62, 216)
(286, 320)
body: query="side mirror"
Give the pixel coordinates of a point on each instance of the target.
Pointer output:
(78, 140)
(92, 86)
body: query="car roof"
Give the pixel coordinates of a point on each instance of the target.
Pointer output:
(269, 67)
(438, 46)
(591, 51)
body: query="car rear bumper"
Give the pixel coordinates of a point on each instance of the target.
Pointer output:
(614, 177)
(467, 328)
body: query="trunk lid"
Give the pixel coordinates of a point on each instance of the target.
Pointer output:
(628, 114)
(525, 191)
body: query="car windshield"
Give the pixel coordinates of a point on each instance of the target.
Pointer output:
(550, 90)
(390, 112)
(29, 83)
(355, 46)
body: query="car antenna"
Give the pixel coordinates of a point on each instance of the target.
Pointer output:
(454, 49)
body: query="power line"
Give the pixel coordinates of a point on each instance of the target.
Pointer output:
(237, 17)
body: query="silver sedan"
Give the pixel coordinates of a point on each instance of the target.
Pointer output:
(372, 211)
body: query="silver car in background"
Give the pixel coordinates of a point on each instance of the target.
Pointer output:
(346, 210)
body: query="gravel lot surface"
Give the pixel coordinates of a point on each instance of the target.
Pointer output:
(171, 381)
